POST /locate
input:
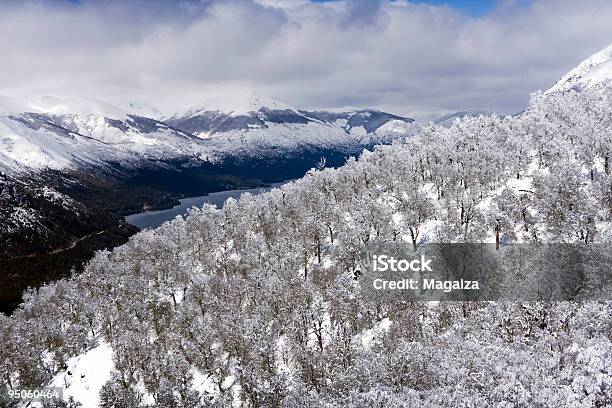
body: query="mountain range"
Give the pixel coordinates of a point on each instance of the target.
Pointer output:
(53, 133)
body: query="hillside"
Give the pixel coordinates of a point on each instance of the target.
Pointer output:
(45, 234)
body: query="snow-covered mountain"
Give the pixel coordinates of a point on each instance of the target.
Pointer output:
(32, 141)
(58, 133)
(255, 120)
(594, 73)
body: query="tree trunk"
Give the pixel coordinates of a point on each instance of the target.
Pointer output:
(91, 326)
(414, 239)
(331, 234)
(497, 229)
(607, 165)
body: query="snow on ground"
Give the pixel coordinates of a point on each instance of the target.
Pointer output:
(369, 337)
(85, 375)
(204, 384)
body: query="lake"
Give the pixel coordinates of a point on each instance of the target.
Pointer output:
(153, 219)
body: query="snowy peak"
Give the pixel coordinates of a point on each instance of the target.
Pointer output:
(50, 105)
(236, 105)
(593, 73)
(86, 106)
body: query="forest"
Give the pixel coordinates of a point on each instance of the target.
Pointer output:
(260, 304)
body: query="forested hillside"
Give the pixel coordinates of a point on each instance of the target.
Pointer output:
(259, 304)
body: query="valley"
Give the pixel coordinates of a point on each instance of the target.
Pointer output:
(73, 168)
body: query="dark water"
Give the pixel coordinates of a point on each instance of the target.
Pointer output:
(153, 219)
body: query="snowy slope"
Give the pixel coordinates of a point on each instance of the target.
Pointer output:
(85, 375)
(58, 133)
(593, 73)
(83, 106)
(129, 133)
(31, 141)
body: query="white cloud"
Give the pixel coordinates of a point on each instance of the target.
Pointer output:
(406, 58)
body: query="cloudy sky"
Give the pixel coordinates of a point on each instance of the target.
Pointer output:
(417, 58)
